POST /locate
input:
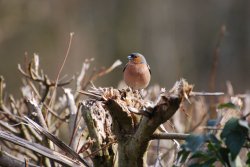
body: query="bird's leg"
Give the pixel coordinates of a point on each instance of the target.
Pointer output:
(141, 91)
(129, 89)
(137, 92)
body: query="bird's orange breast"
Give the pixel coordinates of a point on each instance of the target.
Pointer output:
(137, 76)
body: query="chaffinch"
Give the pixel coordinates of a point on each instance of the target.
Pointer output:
(137, 73)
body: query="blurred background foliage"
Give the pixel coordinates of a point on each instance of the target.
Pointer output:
(178, 38)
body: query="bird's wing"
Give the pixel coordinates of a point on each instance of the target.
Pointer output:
(149, 68)
(125, 67)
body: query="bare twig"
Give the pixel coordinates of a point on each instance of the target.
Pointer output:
(101, 149)
(44, 79)
(34, 108)
(82, 75)
(91, 95)
(20, 150)
(212, 128)
(177, 136)
(108, 70)
(101, 72)
(88, 143)
(54, 113)
(206, 93)
(4, 110)
(174, 140)
(59, 72)
(8, 160)
(34, 133)
(74, 125)
(158, 158)
(72, 109)
(8, 127)
(62, 159)
(55, 140)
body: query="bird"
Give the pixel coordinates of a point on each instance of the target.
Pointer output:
(137, 73)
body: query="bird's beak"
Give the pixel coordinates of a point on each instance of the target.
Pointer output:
(130, 57)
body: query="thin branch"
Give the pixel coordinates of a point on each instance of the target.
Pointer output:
(74, 125)
(34, 133)
(4, 110)
(91, 95)
(166, 132)
(54, 113)
(158, 159)
(82, 75)
(206, 93)
(101, 149)
(25, 152)
(9, 127)
(42, 79)
(169, 136)
(34, 108)
(60, 158)
(8, 160)
(106, 71)
(101, 72)
(212, 128)
(59, 72)
(55, 140)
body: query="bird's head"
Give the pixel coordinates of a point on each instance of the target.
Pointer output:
(137, 58)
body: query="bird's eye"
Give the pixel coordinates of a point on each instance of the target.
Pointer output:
(134, 56)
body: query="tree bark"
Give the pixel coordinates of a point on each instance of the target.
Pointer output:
(132, 130)
(133, 141)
